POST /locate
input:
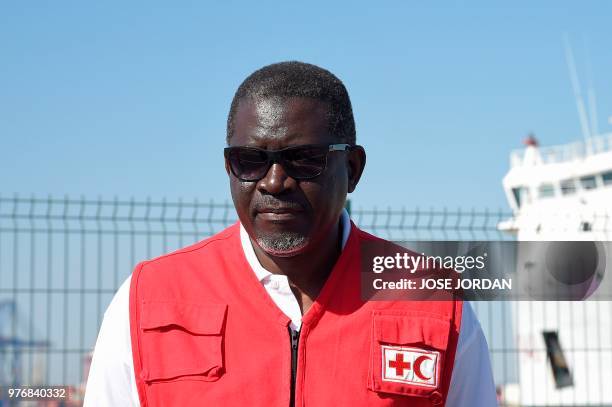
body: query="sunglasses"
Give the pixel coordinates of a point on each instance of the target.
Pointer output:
(300, 162)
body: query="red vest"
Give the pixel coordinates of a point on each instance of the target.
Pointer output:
(206, 333)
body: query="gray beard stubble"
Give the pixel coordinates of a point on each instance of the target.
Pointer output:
(285, 242)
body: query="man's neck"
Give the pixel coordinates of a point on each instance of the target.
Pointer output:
(307, 272)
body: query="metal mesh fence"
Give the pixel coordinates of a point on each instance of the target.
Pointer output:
(62, 259)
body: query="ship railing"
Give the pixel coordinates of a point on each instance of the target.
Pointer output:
(567, 152)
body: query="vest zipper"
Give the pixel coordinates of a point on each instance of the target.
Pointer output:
(294, 337)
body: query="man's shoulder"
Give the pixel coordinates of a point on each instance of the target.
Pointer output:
(363, 235)
(194, 251)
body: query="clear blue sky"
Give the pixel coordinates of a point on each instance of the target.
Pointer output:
(130, 99)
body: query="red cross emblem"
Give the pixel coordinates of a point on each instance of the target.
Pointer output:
(410, 365)
(399, 365)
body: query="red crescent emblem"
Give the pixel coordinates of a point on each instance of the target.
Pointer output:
(417, 367)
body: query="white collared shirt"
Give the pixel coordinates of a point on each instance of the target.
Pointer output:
(111, 381)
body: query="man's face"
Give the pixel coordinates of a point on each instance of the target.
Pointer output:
(283, 215)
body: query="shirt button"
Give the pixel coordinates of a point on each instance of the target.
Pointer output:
(274, 284)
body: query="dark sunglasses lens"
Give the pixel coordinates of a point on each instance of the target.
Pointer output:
(305, 162)
(248, 164)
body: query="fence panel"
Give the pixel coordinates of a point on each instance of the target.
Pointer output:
(61, 260)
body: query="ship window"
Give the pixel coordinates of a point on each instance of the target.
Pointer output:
(588, 182)
(520, 194)
(546, 190)
(568, 187)
(607, 178)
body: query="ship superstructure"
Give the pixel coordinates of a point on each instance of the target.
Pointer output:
(561, 193)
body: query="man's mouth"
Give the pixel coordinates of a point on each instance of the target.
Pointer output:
(279, 214)
(278, 210)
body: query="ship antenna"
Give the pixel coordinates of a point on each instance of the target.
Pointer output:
(576, 87)
(591, 91)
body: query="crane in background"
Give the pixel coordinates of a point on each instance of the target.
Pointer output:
(12, 346)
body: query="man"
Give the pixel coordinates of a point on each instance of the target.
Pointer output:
(268, 311)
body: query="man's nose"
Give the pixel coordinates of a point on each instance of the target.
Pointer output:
(276, 181)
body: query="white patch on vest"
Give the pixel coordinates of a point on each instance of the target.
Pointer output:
(410, 365)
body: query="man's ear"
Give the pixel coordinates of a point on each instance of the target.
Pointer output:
(356, 163)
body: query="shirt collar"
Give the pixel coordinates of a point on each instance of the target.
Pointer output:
(262, 273)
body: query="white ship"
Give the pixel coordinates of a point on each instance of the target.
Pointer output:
(562, 193)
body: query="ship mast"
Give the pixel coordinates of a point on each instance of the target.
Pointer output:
(592, 102)
(582, 114)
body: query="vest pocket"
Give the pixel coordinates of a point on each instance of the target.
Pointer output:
(407, 354)
(181, 341)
